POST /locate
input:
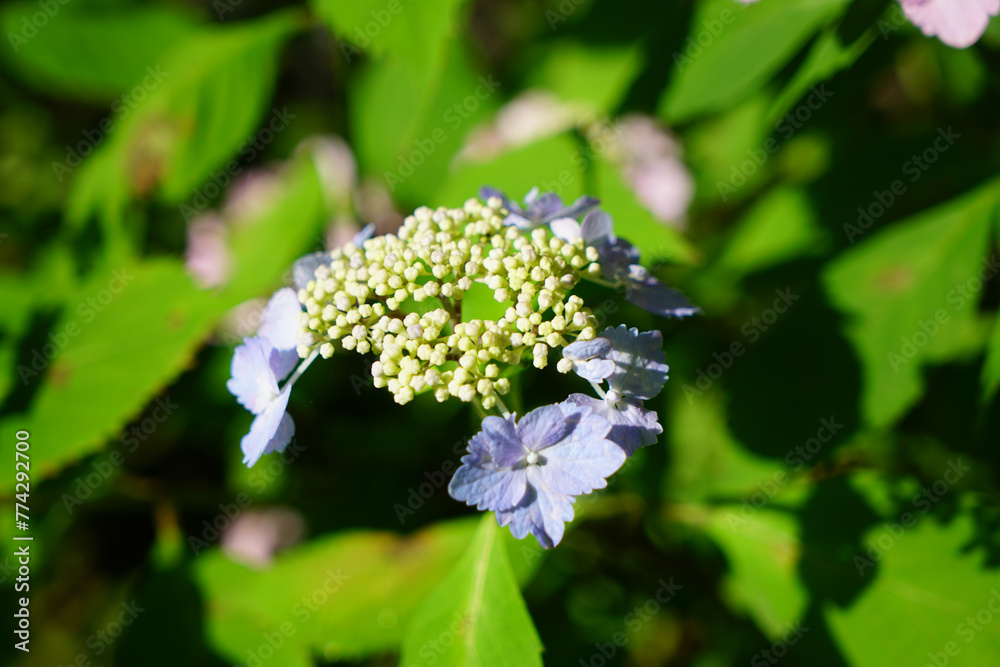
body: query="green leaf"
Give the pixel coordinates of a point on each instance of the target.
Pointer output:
(576, 72)
(479, 304)
(780, 227)
(342, 597)
(763, 550)
(752, 44)
(551, 164)
(480, 608)
(402, 102)
(907, 293)
(926, 588)
(205, 103)
(137, 326)
(96, 57)
(657, 241)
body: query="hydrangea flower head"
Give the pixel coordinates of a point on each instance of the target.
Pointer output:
(530, 471)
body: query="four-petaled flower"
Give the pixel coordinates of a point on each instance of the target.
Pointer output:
(539, 209)
(259, 364)
(530, 471)
(638, 373)
(957, 23)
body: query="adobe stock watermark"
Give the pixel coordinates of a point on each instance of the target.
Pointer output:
(102, 468)
(436, 478)
(453, 118)
(362, 36)
(709, 30)
(779, 648)
(635, 620)
(962, 294)
(752, 329)
(562, 12)
(786, 127)
(915, 167)
(968, 630)
(923, 502)
(87, 310)
(251, 147)
(31, 25)
(264, 473)
(121, 107)
(101, 640)
(302, 611)
(797, 458)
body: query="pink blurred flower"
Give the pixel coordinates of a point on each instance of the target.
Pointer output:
(207, 257)
(255, 536)
(652, 165)
(957, 23)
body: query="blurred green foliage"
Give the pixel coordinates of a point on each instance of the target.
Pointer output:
(826, 489)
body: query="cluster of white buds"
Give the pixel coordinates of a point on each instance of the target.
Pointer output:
(399, 296)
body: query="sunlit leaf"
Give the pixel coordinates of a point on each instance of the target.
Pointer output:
(911, 294)
(474, 617)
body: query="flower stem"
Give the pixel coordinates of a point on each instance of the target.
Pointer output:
(597, 388)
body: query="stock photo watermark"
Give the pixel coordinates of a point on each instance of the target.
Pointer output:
(787, 127)
(454, 117)
(752, 329)
(30, 25)
(251, 147)
(262, 476)
(915, 167)
(923, 502)
(961, 295)
(796, 458)
(86, 310)
(123, 105)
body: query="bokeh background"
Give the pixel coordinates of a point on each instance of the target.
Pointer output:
(817, 175)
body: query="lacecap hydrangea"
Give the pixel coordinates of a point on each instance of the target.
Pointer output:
(399, 297)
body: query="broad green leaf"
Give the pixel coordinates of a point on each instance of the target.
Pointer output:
(134, 328)
(341, 597)
(576, 72)
(709, 464)
(550, 164)
(780, 227)
(657, 241)
(910, 294)
(200, 114)
(927, 591)
(763, 550)
(725, 152)
(411, 152)
(745, 47)
(94, 56)
(403, 102)
(475, 616)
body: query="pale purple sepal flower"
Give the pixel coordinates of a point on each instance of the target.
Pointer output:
(529, 471)
(259, 364)
(640, 363)
(957, 23)
(647, 292)
(539, 209)
(632, 426)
